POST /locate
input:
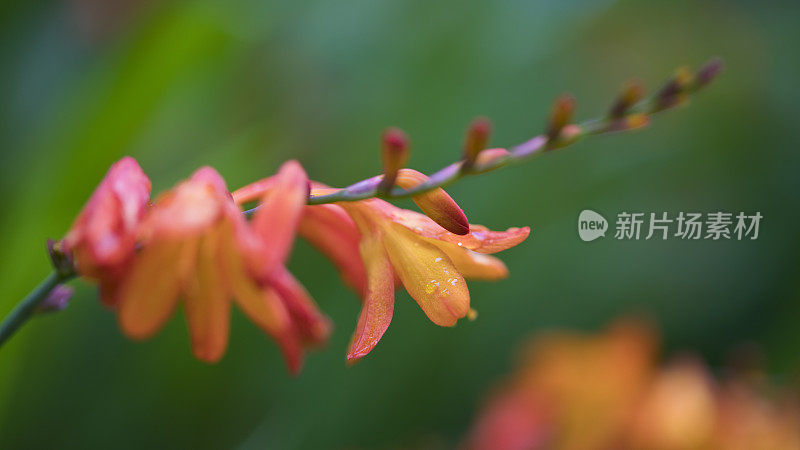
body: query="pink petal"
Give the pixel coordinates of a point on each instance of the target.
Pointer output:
(378, 307)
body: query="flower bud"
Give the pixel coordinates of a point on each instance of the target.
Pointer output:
(61, 258)
(436, 203)
(673, 93)
(569, 135)
(632, 92)
(630, 122)
(56, 300)
(394, 150)
(708, 72)
(487, 158)
(560, 115)
(476, 140)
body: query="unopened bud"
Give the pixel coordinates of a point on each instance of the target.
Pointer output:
(472, 315)
(487, 159)
(560, 115)
(394, 150)
(476, 140)
(569, 135)
(673, 93)
(56, 300)
(632, 92)
(708, 72)
(60, 258)
(630, 122)
(436, 203)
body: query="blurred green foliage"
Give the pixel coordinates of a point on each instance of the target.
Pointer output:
(243, 85)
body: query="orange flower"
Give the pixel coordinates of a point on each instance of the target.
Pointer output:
(102, 240)
(429, 261)
(608, 391)
(196, 244)
(373, 242)
(327, 227)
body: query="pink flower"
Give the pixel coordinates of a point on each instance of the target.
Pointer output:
(197, 245)
(103, 238)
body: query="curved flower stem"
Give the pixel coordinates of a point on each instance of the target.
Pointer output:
(627, 113)
(27, 307)
(536, 146)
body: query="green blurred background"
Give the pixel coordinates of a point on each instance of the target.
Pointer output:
(243, 85)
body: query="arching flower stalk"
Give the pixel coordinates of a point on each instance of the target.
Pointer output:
(195, 243)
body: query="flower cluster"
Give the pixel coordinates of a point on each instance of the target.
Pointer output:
(195, 245)
(607, 391)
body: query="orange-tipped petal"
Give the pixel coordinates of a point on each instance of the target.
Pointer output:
(308, 319)
(484, 240)
(378, 307)
(207, 304)
(149, 292)
(428, 275)
(479, 239)
(277, 219)
(472, 265)
(331, 231)
(436, 204)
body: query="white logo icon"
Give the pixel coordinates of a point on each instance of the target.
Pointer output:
(591, 225)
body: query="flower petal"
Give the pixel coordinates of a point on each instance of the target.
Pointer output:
(428, 275)
(376, 313)
(103, 236)
(207, 302)
(479, 238)
(192, 207)
(277, 218)
(310, 322)
(484, 240)
(261, 304)
(436, 204)
(472, 265)
(149, 292)
(253, 191)
(331, 231)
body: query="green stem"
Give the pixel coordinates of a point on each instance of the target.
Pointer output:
(27, 307)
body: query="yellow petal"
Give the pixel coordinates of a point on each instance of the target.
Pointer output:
(472, 265)
(207, 303)
(148, 294)
(378, 307)
(428, 275)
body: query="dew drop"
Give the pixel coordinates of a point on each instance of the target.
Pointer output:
(431, 286)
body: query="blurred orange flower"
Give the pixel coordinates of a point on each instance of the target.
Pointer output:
(196, 244)
(606, 391)
(103, 238)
